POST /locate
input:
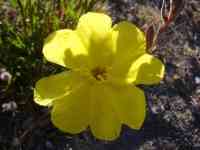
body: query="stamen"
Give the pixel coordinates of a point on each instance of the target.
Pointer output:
(99, 73)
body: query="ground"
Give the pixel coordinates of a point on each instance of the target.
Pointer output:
(173, 116)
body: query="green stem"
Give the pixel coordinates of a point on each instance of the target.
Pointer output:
(23, 15)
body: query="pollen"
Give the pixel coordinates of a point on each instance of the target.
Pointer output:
(99, 73)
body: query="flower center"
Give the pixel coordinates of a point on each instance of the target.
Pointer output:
(99, 73)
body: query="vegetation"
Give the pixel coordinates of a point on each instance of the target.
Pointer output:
(173, 115)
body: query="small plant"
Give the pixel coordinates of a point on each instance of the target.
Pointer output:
(90, 74)
(100, 89)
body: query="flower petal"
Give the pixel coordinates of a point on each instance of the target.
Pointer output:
(94, 30)
(53, 87)
(130, 42)
(146, 70)
(64, 47)
(105, 123)
(72, 113)
(129, 103)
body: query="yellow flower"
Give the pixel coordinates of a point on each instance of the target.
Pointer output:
(105, 63)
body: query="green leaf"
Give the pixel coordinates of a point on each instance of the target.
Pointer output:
(13, 3)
